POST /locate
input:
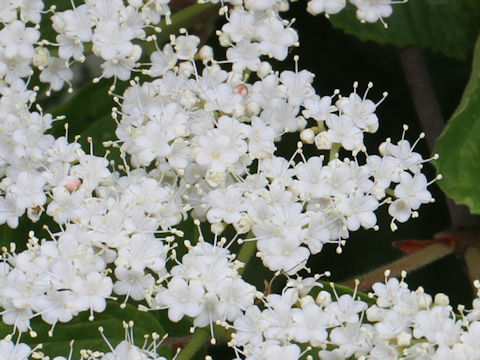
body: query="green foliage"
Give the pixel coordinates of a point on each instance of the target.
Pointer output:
(459, 145)
(447, 26)
(88, 113)
(186, 18)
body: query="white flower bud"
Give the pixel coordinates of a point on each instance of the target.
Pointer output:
(186, 68)
(322, 142)
(323, 298)
(375, 313)
(424, 301)
(253, 108)
(217, 228)
(307, 136)
(206, 53)
(403, 339)
(441, 299)
(224, 40)
(244, 224)
(264, 69)
(41, 57)
(306, 300)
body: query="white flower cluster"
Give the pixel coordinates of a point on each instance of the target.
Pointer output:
(402, 324)
(215, 132)
(205, 286)
(198, 140)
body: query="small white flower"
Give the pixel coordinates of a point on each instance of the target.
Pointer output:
(316, 7)
(372, 10)
(18, 40)
(181, 298)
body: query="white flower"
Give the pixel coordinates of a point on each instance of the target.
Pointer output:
(297, 86)
(11, 351)
(28, 190)
(260, 139)
(311, 325)
(318, 108)
(316, 7)
(281, 115)
(362, 111)
(285, 352)
(311, 180)
(471, 339)
(413, 189)
(352, 339)
(240, 25)
(237, 295)
(342, 130)
(186, 46)
(56, 73)
(400, 210)
(66, 205)
(91, 292)
(181, 298)
(57, 306)
(30, 10)
(404, 154)
(112, 40)
(215, 152)
(244, 55)
(162, 61)
(226, 205)
(359, 210)
(92, 170)
(345, 310)
(143, 251)
(372, 10)
(275, 38)
(9, 211)
(120, 66)
(73, 24)
(388, 293)
(70, 47)
(18, 40)
(132, 283)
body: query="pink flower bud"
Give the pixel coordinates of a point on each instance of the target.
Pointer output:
(242, 89)
(73, 184)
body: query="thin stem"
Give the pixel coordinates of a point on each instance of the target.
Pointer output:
(334, 150)
(246, 252)
(198, 340)
(408, 263)
(423, 94)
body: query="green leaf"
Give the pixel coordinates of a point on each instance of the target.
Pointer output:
(187, 17)
(88, 113)
(85, 333)
(87, 106)
(459, 145)
(447, 26)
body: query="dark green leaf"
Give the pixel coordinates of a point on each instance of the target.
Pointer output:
(88, 113)
(459, 145)
(447, 26)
